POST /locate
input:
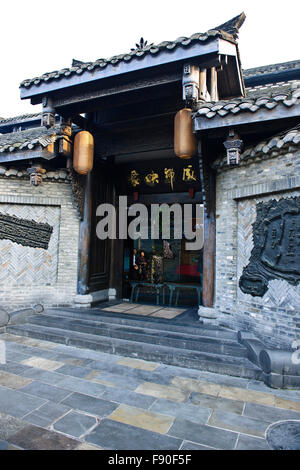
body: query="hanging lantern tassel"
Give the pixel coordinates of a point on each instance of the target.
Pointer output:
(83, 156)
(185, 142)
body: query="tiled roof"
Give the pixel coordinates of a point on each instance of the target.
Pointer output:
(13, 172)
(27, 139)
(268, 97)
(227, 31)
(17, 119)
(265, 69)
(287, 141)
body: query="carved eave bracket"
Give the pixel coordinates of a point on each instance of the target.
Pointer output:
(48, 113)
(78, 185)
(36, 173)
(190, 84)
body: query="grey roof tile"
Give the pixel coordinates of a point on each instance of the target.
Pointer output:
(27, 139)
(227, 31)
(17, 119)
(266, 69)
(268, 97)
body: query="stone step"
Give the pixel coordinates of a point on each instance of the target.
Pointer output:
(145, 335)
(217, 363)
(160, 324)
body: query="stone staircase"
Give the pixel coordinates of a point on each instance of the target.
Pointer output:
(196, 346)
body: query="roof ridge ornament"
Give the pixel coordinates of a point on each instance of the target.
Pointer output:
(232, 26)
(141, 46)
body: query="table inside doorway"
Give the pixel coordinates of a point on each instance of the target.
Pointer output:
(174, 287)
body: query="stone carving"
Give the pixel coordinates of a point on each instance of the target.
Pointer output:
(276, 251)
(25, 232)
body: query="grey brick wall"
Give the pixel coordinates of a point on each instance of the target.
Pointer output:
(275, 317)
(33, 275)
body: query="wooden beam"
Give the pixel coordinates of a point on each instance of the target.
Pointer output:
(108, 91)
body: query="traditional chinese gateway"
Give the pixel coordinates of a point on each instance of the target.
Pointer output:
(178, 122)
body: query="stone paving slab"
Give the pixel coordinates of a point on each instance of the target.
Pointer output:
(89, 400)
(182, 410)
(36, 438)
(49, 392)
(191, 385)
(203, 434)
(74, 371)
(73, 384)
(251, 443)
(114, 435)
(242, 424)
(18, 404)
(30, 350)
(14, 368)
(268, 413)
(207, 401)
(293, 395)
(75, 424)
(138, 364)
(127, 397)
(162, 391)
(46, 414)
(12, 380)
(42, 363)
(127, 382)
(71, 360)
(92, 405)
(192, 446)
(142, 419)
(15, 356)
(9, 426)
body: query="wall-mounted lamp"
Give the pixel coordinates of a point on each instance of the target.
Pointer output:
(233, 147)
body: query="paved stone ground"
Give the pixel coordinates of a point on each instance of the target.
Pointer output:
(59, 397)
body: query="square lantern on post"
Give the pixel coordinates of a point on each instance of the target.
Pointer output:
(233, 147)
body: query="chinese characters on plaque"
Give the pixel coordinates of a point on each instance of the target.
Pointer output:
(170, 176)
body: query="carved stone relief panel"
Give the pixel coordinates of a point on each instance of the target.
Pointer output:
(29, 243)
(275, 250)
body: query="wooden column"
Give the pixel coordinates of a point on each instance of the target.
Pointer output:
(85, 238)
(117, 252)
(209, 250)
(202, 84)
(214, 95)
(209, 247)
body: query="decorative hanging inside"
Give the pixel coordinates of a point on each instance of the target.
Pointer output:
(83, 156)
(185, 142)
